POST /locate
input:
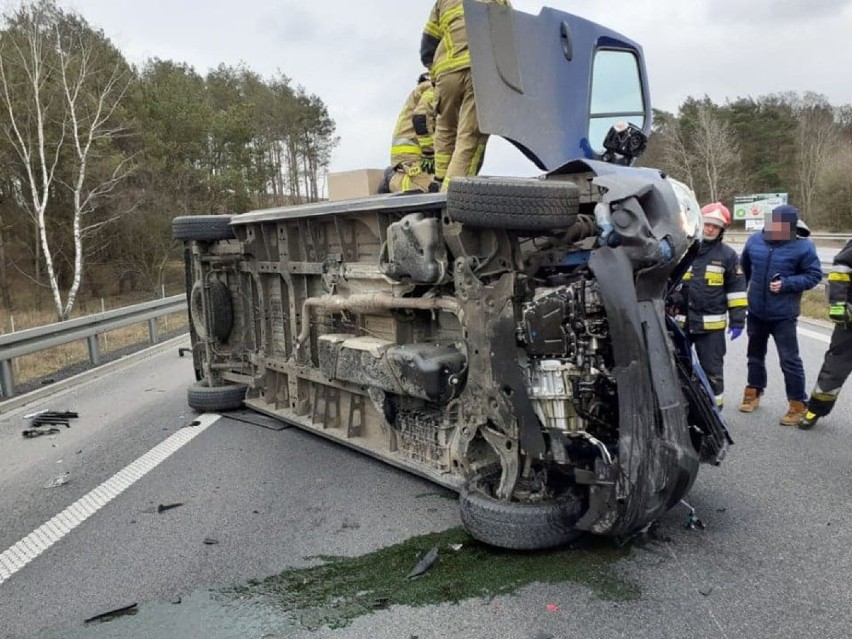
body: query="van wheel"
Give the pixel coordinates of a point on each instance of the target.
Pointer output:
(215, 398)
(517, 525)
(202, 228)
(513, 204)
(219, 307)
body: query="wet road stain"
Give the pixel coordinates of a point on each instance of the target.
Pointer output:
(341, 589)
(297, 602)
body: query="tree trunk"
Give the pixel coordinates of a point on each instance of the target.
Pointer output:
(5, 295)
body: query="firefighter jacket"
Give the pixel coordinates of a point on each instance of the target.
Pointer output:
(415, 126)
(839, 288)
(712, 289)
(794, 261)
(443, 46)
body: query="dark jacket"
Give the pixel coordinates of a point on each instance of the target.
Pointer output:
(714, 287)
(796, 262)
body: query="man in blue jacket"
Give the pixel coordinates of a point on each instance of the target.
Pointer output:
(779, 267)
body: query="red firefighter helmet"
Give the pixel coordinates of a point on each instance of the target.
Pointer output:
(716, 213)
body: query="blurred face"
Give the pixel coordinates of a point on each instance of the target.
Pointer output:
(777, 229)
(711, 231)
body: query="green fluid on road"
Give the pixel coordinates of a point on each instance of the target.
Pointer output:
(341, 589)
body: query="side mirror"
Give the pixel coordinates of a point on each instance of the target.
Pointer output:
(624, 142)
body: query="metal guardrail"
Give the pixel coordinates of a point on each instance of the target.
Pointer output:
(33, 340)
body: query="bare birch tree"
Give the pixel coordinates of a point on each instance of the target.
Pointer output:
(717, 153)
(60, 86)
(818, 136)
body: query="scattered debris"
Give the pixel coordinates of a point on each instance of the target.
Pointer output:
(543, 635)
(176, 600)
(47, 422)
(424, 564)
(706, 590)
(209, 541)
(248, 417)
(692, 520)
(132, 609)
(456, 547)
(721, 510)
(31, 433)
(552, 607)
(181, 351)
(164, 507)
(60, 480)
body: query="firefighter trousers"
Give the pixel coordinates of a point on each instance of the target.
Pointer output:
(835, 369)
(711, 348)
(408, 176)
(459, 144)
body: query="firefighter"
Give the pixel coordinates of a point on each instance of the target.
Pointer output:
(459, 144)
(412, 148)
(712, 290)
(838, 358)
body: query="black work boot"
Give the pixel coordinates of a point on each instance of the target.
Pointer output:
(808, 421)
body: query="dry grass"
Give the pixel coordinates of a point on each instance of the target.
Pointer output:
(48, 362)
(815, 304)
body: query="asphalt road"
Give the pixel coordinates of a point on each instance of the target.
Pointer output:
(773, 561)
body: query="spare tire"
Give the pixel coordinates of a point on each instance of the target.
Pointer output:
(513, 204)
(517, 525)
(215, 398)
(220, 308)
(202, 228)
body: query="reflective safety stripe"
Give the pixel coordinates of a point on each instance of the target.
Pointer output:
(442, 162)
(408, 149)
(712, 268)
(433, 29)
(826, 397)
(451, 64)
(426, 140)
(687, 276)
(681, 320)
(841, 268)
(737, 300)
(720, 400)
(451, 15)
(714, 322)
(834, 276)
(476, 160)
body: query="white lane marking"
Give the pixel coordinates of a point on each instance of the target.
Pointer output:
(815, 335)
(43, 537)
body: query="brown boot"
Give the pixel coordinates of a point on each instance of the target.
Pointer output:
(795, 414)
(751, 399)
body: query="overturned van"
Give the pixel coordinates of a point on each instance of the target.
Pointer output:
(506, 339)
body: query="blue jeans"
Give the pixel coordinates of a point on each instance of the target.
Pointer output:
(786, 339)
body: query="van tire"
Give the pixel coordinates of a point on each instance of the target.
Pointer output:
(205, 398)
(516, 525)
(220, 307)
(202, 228)
(513, 204)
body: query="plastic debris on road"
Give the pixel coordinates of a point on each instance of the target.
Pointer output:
(424, 564)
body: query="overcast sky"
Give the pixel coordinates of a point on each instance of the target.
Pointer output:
(362, 57)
